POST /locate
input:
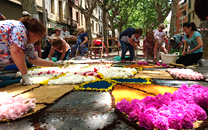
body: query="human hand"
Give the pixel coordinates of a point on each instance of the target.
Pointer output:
(25, 80)
(80, 44)
(58, 63)
(184, 53)
(155, 60)
(189, 51)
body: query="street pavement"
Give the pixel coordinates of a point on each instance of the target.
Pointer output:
(84, 110)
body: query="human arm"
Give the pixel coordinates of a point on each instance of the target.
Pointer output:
(63, 49)
(179, 45)
(162, 39)
(200, 44)
(168, 49)
(132, 43)
(51, 53)
(39, 51)
(41, 62)
(85, 40)
(18, 57)
(155, 51)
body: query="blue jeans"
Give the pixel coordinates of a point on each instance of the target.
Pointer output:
(81, 48)
(66, 57)
(124, 50)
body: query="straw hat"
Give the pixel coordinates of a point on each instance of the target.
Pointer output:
(162, 25)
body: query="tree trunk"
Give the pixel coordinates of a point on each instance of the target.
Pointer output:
(173, 17)
(88, 27)
(112, 28)
(105, 27)
(204, 34)
(31, 7)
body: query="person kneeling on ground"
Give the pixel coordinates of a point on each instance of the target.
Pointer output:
(175, 44)
(128, 38)
(61, 48)
(82, 39)
(16, 45)
(151, 47)
(195, 46)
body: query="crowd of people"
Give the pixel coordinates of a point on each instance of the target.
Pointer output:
(21, 39)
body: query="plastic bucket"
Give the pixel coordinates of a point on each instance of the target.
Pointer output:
(169, 58)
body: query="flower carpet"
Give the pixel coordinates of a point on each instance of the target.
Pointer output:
(176, 110)
(142, 103)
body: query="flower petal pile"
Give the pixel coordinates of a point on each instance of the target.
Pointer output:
(117, 72)
(185, 74)
(14, 107)
(176, 111)
(71, 79)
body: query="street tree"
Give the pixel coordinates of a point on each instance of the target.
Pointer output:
(173, 16)
(31, 7)
(204, 33)
(87, 11)
(113, 12)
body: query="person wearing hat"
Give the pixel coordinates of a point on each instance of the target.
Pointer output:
(57, 34)
(64, 31)
(160, 34)
(26, 14)
(175, 44)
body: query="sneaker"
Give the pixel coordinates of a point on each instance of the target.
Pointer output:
(83, 58)
(73, 58)
(123, 61)
(200, 62)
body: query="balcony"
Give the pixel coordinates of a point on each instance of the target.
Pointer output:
(182, 5)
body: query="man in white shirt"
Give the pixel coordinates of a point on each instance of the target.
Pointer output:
(64, 31)
(57, 34)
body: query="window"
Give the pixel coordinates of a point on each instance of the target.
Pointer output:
(92, 25)
(189, 4)
(189, 17)
(61, 9)
(81, 20)
(96, 27)
(175, 29)
(77, 16)
(52, 7)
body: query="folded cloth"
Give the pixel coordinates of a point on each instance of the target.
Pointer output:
(9, 80)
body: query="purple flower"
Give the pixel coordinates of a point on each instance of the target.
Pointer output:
(167, 66)
(147, 120)
(130, 108)
(158, 64)
(122, 105)
(163, 64)
(175, 121)
(161, 122)
(134, 115)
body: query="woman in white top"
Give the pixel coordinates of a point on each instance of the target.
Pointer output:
(160, 34)
(57, 34)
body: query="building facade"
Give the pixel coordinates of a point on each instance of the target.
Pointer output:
(192, 17)
(181, 17)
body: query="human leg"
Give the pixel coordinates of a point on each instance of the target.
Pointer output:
(123, 47)
(58, 55)
(74, 50)
(131, 49)
(192, 58)
(163, 48)
(66, 57)
(181, 59)
(82, 49)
